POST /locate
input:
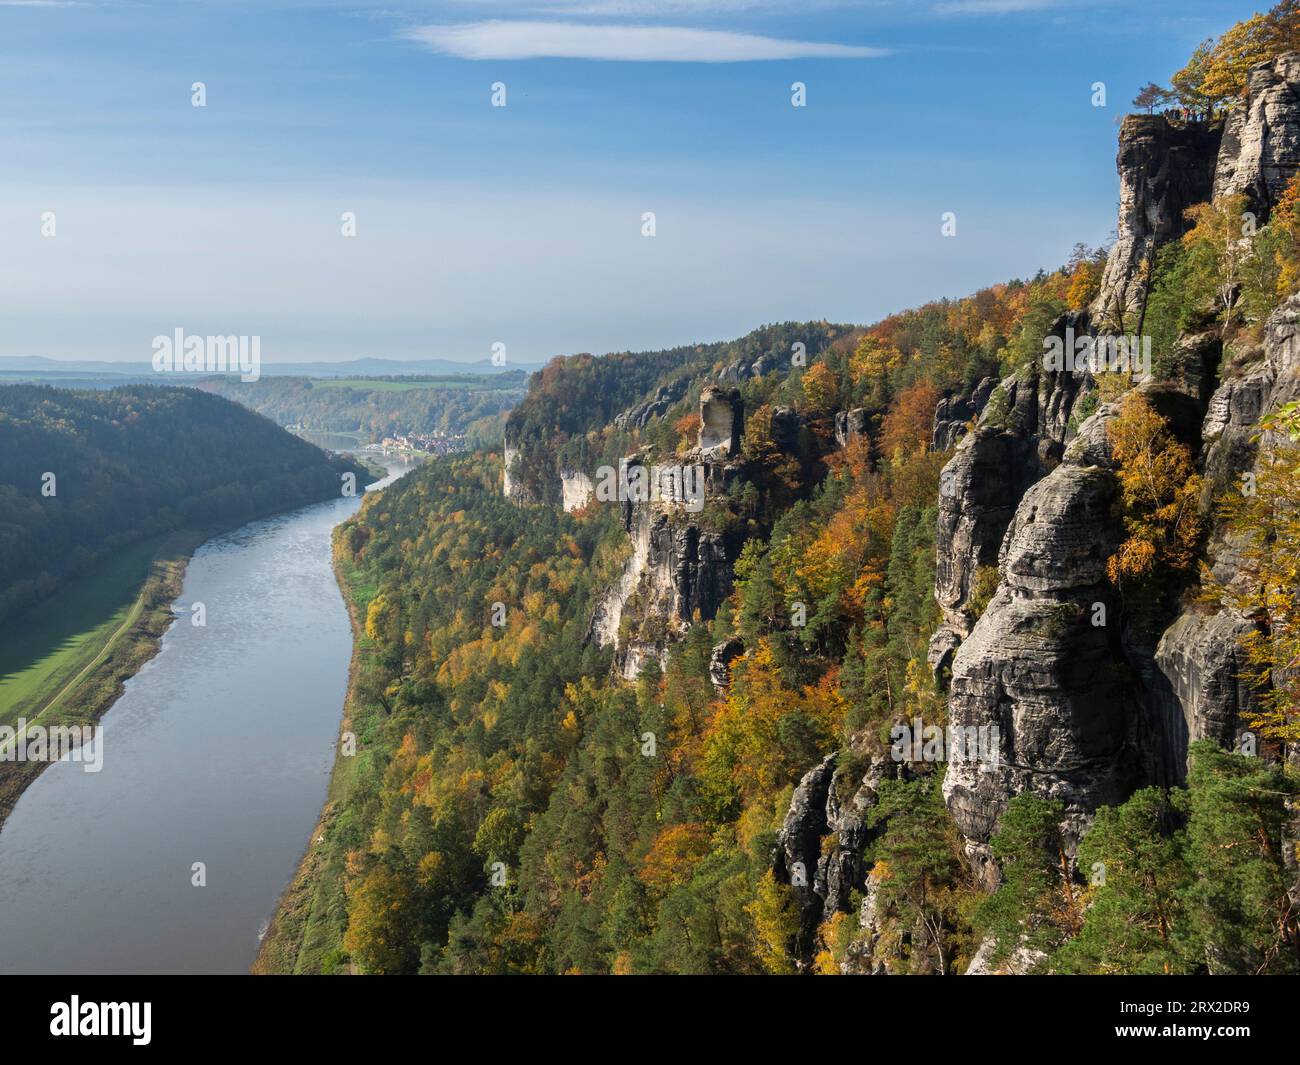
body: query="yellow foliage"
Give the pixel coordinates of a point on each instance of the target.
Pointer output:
(1159, 494)
(775, 925)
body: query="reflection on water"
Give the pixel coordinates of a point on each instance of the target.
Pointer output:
(218, 752)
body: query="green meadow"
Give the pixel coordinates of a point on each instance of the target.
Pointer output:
(47, 648)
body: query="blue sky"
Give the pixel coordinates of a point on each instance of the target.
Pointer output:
(522, 224)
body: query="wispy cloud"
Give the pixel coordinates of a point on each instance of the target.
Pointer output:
(991, 7)
(498, 39)
(637, 8)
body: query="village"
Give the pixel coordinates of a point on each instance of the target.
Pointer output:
(433, 443)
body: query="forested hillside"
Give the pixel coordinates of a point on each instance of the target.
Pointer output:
(722, 740)
(469, 405)
(514, 744)
(85, 473)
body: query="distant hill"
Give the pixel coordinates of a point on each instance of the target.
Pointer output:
(131, 462)
(57, 370)
(472, 406)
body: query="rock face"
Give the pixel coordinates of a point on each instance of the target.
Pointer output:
(799, 840)
(1199, 658)
(722, 421)
(821, 877)
(510, 484)
(1038, 670)
(576, 489)
(850, 425)
(675, 572)
(1261, 138)
(1195, 687)
(1164, 168)
(1022, 429)
(720, 660)
(639, 415)
(953, 414)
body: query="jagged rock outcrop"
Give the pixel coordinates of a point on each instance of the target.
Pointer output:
(1038, 670)
(850, 425)
(954, 413)
(639, 415)
(823, 876)
(720, 659)
(1164, 168)
(1022, 430)
(799, 841)
(675, 571)
(839, 870)
(786, 425)
(1261, 137)
(722, 421)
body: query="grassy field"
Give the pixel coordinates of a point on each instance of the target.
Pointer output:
(373, 384)
(66, 662)
(42, 653)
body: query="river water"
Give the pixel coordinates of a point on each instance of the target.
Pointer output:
(218, 752)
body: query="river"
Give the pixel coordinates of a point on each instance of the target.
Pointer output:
(218, 752)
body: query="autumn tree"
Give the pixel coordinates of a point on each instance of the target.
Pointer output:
(1236, 51)
(383, 926)
(1085, 272)
(908, 427)
(1159, 496)
(1186, 83)
(1218, 251)
(767, 735)
(687, 428)
(1151, 96)
(821, 386)
(776, 925)
(1218, 69)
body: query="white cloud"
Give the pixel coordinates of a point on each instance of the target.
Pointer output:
(645, 8)
(991, 7)
(641, 8)
(498, 39)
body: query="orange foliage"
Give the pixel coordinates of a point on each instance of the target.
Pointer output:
(673, 855)
(909, 425)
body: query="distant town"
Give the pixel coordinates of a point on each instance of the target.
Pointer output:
(434, 443)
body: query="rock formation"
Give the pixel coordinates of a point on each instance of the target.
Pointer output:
(1164, 168)
(722, 421)
(1261, 138)
(850, 425)
(1088, 712)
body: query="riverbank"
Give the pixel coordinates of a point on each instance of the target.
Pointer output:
(98, 684)
(305, 935)
(123, 651)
